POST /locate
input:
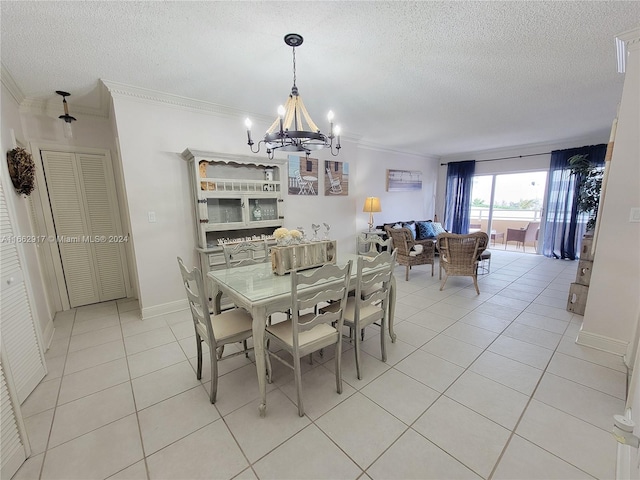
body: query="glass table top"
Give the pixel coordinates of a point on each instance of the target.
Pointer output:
(259, 282)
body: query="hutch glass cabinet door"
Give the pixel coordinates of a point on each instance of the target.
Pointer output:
(225, 210)
(263, 209)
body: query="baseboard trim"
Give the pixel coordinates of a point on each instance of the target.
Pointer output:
(164, 308)
(600, 342)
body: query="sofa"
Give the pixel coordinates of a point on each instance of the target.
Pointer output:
(424, 232)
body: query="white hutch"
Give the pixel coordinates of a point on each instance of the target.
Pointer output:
(235, 198)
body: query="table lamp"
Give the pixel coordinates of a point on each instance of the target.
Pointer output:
(371, 205)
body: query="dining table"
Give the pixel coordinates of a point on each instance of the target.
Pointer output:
(260, 291)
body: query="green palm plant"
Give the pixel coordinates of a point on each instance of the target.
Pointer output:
(589, 181)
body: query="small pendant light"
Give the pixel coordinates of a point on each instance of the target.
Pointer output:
(68, 132)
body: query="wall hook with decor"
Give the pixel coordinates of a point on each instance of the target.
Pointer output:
(21, 170)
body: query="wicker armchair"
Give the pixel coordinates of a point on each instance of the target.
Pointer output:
(459, 255)
(523, 236)
(404, 243)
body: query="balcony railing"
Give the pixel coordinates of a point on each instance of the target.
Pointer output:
(502, 220)
(482, 213)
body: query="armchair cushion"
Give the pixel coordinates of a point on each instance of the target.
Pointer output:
(417, 249)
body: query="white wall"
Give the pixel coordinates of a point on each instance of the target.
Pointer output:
(88, 131)
(43, 312)
(152, 136)
(396, 206)
(613, 304)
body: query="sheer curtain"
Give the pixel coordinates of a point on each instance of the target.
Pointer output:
(458, 194)
(564, 226)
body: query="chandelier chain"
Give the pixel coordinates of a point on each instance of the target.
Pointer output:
(294, 66)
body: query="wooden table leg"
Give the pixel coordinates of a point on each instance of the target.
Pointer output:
(259, 323)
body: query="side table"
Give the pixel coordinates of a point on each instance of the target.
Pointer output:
(497, 236)
(380, 233)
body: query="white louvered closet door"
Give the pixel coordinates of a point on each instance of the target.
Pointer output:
(82, 196)
(20, 343)
(14, 452)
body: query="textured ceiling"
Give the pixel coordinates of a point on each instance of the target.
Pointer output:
(427, 77)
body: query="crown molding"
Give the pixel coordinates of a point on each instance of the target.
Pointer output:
(7, 80)
(625, 41)
(117, 89)
(630, 37)
(35, 105)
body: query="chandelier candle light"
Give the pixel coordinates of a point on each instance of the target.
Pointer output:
(68, 132)
(288, 132)
(371, 205)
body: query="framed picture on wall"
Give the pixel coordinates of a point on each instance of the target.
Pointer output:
(336, 178)
(303, 176)
(404, 180)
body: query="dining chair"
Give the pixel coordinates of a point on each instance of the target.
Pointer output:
(371, 245)
(310, 329)
(216, 331)
(370, 303)
(460, 254)
(241, 254)
(246, 253)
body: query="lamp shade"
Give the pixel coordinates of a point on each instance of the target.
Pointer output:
(372, 205)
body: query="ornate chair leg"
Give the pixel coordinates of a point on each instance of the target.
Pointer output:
(199, 349)
(213, 391)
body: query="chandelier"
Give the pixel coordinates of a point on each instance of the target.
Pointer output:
(288, 132)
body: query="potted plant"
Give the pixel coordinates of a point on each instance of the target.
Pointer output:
(589, 182)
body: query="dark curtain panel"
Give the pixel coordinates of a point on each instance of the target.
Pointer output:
(564, 226)
(458, 195)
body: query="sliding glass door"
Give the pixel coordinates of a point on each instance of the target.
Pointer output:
(507, 201)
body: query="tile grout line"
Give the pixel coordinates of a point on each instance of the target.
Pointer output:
(135, 407)
(55, 408)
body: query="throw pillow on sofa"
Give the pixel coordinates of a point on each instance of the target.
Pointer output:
(437, 228)
(412, 227)
(425, 230)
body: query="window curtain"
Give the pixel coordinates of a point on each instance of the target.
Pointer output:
(458, 195)
(564, 226)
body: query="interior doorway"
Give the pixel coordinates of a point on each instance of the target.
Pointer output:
(83, 226)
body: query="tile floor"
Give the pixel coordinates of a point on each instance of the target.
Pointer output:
(488, 386)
